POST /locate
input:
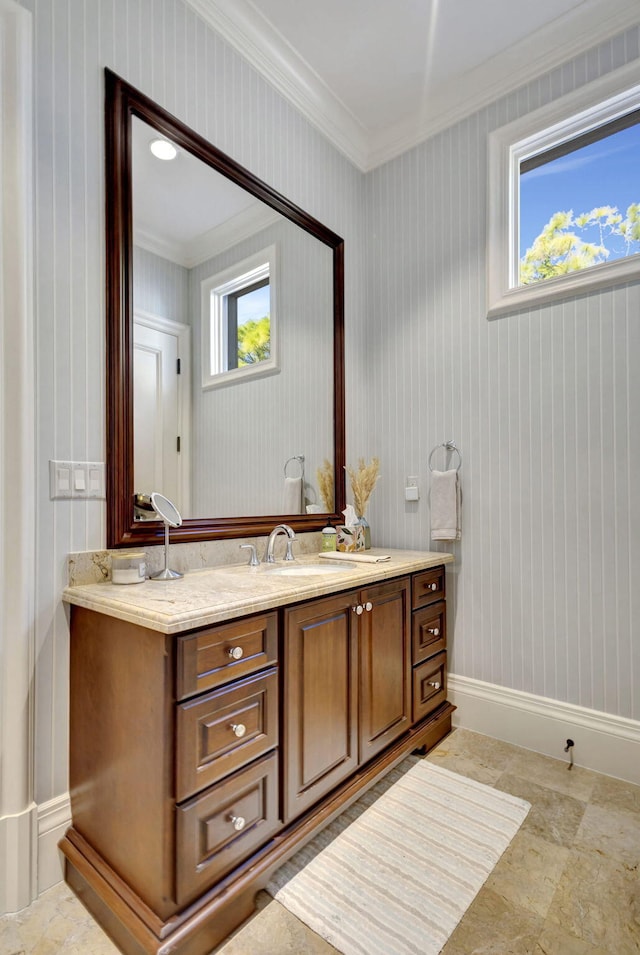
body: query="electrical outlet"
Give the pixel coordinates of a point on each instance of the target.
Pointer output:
(411, 492)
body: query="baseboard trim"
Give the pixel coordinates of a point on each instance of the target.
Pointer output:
(54, 818)
(17, 860)
(603, 742)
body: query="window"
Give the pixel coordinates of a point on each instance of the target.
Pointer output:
(239, 321)
(564, 196)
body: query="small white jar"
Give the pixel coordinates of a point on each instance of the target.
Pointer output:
(128, 568)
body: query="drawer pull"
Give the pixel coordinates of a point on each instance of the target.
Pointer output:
(235, 653)
(238, 822)
(434, 630)
(239, 729)
(368, 606)
(359, 609)
(435, 684)
(433, 586)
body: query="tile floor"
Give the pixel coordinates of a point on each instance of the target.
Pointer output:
(569, 883)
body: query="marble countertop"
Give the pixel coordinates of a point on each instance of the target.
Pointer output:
(215, 594)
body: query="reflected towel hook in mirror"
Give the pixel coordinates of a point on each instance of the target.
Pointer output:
(170, 514)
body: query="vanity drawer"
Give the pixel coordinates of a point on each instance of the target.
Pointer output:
(429, 634)
(223, 730)
(219, 654)
(224, 825)
(427, 587)
(429, 686)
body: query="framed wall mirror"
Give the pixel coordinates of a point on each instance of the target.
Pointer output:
(225, 339)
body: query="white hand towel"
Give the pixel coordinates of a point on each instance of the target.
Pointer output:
(292, 495)
(445, 506)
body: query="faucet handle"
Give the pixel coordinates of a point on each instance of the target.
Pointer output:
(289, 554)
(253, 559)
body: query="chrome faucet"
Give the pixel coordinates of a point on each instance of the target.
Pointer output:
(277, 530)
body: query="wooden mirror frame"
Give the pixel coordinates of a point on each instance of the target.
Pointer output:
(122, 102)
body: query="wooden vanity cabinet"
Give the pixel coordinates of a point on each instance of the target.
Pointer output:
(429, 642)
(347, 686)
(200, 761)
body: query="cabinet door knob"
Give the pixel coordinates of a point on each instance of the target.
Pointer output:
(435, 684)
(368, 606)
(238, 822)
(359, 609)
(239, 729)
(434, 630)
(235, 653)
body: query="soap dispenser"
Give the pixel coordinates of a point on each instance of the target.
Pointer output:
(328, 538)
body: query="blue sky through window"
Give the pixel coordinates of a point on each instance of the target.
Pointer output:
(254, 305)
(605, 173)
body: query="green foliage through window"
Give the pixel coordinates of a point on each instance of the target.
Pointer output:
(569, 243)
(254, 341)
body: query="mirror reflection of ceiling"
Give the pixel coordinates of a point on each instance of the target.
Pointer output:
(378, 77)
(183, 211)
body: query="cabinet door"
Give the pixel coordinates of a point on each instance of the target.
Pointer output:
(320, 699)
(385, 665)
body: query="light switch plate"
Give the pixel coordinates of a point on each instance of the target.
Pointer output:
(77, 480)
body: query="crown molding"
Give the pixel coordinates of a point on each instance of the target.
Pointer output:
(242, 226)
(522, 63)
(244, 28)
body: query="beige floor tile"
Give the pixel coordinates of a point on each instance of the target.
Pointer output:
(528, 872)
(576, 782)
(616, 794)
(597, 900)
(554, 941)
(274, 931)
(473, 755)
(494, 926)
(553, 816)
(572, 861)
(614, 832)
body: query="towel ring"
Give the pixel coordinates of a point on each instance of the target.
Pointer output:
(449, 446)
(300, 459)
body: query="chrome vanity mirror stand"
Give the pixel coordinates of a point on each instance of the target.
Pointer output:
(169, 513)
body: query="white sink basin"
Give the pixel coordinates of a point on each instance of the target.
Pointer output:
(309, 570)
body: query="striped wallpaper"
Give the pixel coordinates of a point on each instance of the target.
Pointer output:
(163, 48)
(543, 404)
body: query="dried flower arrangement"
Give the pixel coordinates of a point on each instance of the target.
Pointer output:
(363, 482)
(326, 485)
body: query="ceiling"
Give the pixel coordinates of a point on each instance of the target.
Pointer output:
(378, 76)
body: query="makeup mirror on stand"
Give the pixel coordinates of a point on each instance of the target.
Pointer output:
(169, 513)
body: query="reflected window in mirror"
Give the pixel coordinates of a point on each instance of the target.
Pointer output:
(239, 321)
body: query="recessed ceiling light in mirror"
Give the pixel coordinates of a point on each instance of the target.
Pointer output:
(163, 149)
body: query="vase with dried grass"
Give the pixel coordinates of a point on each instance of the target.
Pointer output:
(363, 480)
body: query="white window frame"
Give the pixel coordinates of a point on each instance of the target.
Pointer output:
(587, 108)
(213, 320)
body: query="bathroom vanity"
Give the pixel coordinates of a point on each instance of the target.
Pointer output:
(219, 721)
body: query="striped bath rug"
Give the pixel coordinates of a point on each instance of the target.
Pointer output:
(396, 871)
